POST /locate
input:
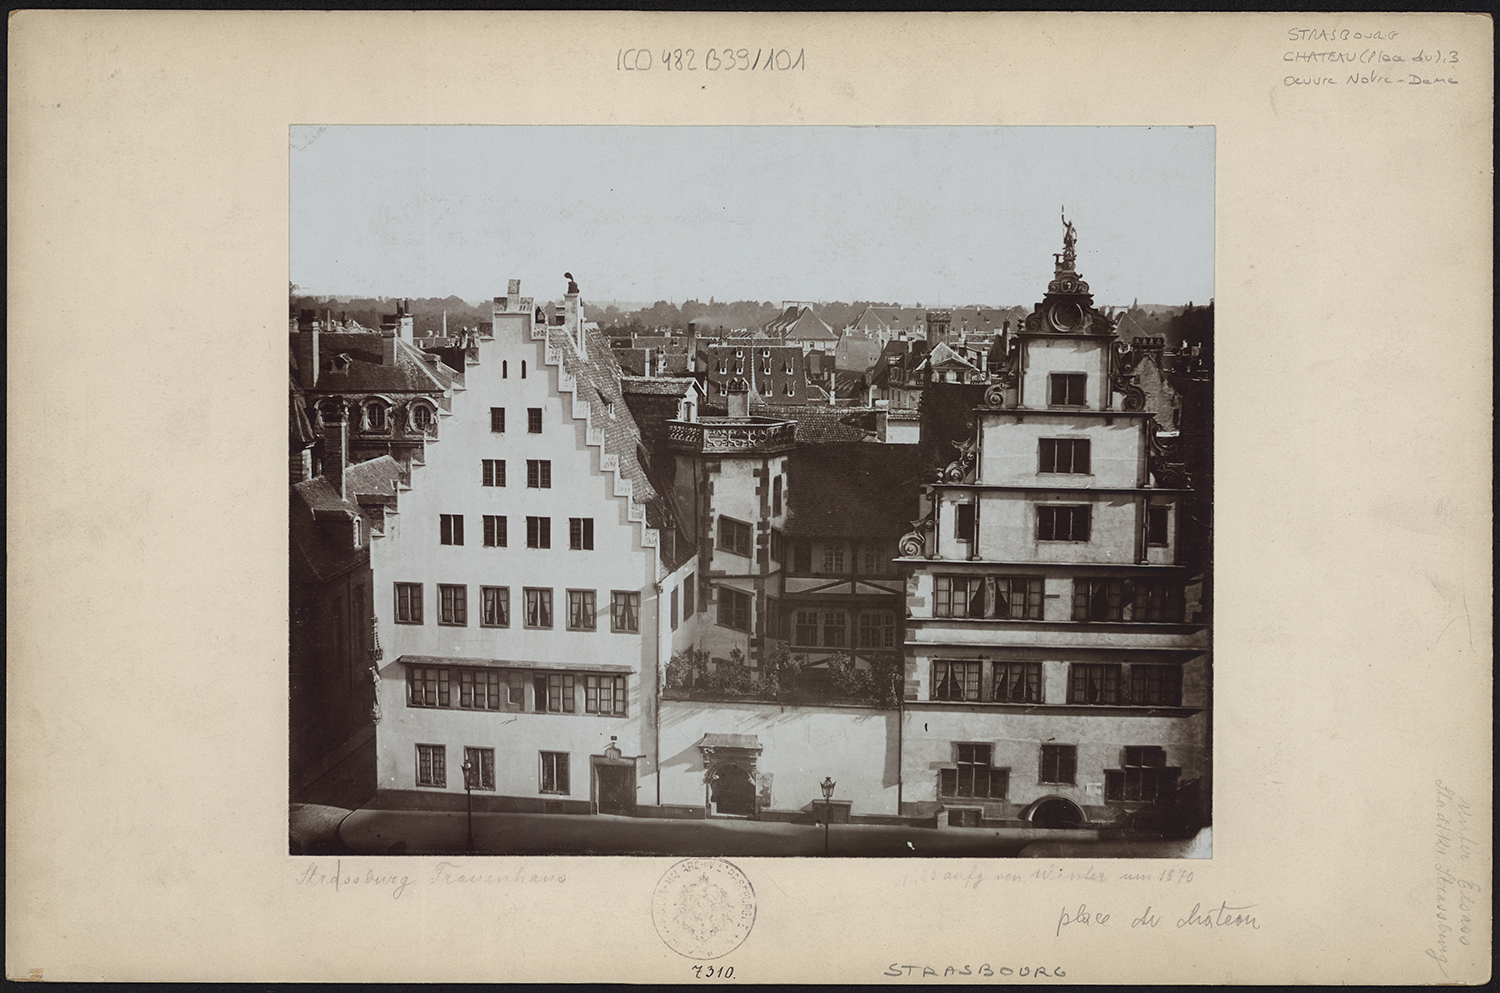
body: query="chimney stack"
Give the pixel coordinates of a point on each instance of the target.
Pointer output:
(336, 448)
(307, 350)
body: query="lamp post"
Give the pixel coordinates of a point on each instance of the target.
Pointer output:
(469, 803)
(828, 785)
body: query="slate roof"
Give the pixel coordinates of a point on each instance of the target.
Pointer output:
(891, 318)
(852, 490)
(944, 356)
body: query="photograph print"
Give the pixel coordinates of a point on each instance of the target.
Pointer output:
(751, 491)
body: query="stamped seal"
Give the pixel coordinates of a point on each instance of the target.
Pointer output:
(703, 908)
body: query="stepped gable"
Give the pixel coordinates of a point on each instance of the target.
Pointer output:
(852, 490)
(598, 380)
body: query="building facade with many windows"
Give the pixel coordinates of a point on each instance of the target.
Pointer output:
(515, 585)
(1054, 676)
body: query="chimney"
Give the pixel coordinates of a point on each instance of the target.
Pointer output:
(572, 318)
(445, 322)
(739, 398)
(336, 448)
(307, 350)
(408, 329)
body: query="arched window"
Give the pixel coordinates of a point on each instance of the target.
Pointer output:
(375, 415)
(357, 536)
(776, 496)
(421, 416)
(504, 370)
(523, 368)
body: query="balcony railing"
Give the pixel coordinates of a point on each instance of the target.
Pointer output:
(731, 435)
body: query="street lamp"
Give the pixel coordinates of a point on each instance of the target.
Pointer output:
(828, 785)
(469, 801)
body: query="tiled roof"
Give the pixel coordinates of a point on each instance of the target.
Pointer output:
(800, 324)
(820, 425)
(942, 355)
(656, 385)
(410, 372)
(320, 552)
(852, 490)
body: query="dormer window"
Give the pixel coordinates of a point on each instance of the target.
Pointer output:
(791, 389)
(375, 417)
(723, 367)
(421, 416)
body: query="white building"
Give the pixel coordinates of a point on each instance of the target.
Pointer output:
(520, 600)
(1052, 677)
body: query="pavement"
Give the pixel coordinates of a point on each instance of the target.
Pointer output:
(320, 829)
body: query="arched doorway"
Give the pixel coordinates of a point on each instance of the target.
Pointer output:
(1055, 812)
(732, 791)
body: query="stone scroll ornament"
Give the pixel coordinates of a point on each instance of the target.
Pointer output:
(914, 542)
(958, 470)
(1003, 375)
(1164, 459)
(1122, 378)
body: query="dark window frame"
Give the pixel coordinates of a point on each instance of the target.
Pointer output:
(1057, 763)
(405, 614)
(497, 420)
(533, 420)
(539, 474)
(973, 768)
(956, 680)
(1158, 527)
(1067, 389)
(436, 768)
(451, 529)
(1016, 682)
(598, 688)
(735, 536)
(538, 532)
(553, 770)
(587, 612)
(492, 472)
(735, 609)
(453, 604)
(542, 610)
(496, 531)
(624, 612)
(581, 534)
(482, 761)
(1064, 522)
(1155, 685)
(1071, 456)
(1094, 683)
(498, 598)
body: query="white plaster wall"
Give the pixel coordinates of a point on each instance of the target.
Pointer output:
(856, 746)
(1011, 451)
(1045, 356)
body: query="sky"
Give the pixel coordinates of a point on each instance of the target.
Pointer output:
(937, 216)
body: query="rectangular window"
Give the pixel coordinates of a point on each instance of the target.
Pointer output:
(833, 559)
(1018, 598)
(480, 689)
(774, 623)
(674, 608)
(1064, 455)
(555, 693)
(497, 420)
(492, 472)
(959, 596)
(955, 680)
(734, 609)
(624, 612)
(734, 536)
(1068, 389)
(877, 559)
(1093, 683)
(538, 532)
(453, 604)
(604, 695)
(581, 533)
(1059, 764)
(1156, 685)
(1130, 600)
(427, 686)
(687, 595)
(973, 776)
(539, 474)
(835, 629)
(877, 629)
(534, 420)
(802, 556)
(805, 631)
(480, 774)
(778, 545)
(1054, 523)
(581, 610)
(554, 772)
(408, 603)
(495, 606)
(496, 533)
(1156, 526)
(963, 521)
(451, 529)
(538, 607)
(1017, 682)
(1144, 777)
(432, 765)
